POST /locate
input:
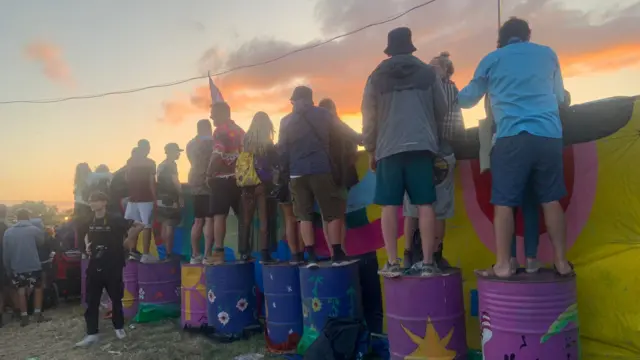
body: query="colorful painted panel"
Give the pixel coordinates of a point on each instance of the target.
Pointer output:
(159, 283)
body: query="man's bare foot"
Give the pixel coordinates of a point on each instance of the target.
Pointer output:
(564, 268)
(502, 272)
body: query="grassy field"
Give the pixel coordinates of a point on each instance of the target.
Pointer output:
(164, 340)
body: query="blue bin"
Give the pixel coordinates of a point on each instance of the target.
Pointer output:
(330, 291)
(231, 298)
(283, 306)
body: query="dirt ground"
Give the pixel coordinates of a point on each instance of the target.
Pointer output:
(164, 340)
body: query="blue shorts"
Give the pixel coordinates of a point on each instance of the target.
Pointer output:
(525, 158)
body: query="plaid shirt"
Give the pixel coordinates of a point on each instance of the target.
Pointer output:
(453, 126)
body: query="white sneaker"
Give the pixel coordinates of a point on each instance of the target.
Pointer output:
(533, 266)
(120, 334)
(196, 260)
(87, 341)
(149, 259)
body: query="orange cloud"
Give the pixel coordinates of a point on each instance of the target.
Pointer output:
(53, 64)
(465, 28)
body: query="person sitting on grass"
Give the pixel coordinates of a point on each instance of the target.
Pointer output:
(22, 263)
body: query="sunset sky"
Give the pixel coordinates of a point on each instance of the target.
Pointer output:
(73, 47)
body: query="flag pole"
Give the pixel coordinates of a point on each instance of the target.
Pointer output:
(499, 14)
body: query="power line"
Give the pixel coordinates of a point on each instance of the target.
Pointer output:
(178, 82)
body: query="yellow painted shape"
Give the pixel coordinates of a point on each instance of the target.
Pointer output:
(153, 249)
(431, 347)
(191, 276)
(127, 299)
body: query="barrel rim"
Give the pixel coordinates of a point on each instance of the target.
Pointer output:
(543, 276)
(230, 263)
(329, 265)
(281, 264)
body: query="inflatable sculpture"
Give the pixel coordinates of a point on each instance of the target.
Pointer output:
(603, 222)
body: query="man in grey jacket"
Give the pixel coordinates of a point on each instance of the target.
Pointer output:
(22, 263)
(403, 106)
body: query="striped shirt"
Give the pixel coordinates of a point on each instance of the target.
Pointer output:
(453, 126)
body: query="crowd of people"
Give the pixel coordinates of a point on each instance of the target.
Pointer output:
(411, 122)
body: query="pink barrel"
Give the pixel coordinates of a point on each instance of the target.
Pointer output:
(84, 264)
(130, 296)
(159, 283)
(425, 317)
(529, 317)
(194, 298)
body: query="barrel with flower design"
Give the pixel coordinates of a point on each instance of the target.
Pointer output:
(231, 298)
(329, 291)
(158, 291)
(283, 308)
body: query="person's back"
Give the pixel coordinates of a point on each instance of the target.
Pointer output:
(403, 106)
(140, 171)
(308, 131)
(20, 247)
(522, 83)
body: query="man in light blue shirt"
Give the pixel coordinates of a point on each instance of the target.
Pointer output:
(524, 85)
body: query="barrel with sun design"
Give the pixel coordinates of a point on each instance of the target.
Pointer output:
(231, 298)
(283, 307)
(529, 316)
(130, 295)
(194, 296)
(425, 316)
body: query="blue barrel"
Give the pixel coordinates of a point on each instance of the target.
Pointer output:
(283, 307)
(231, 298)
(329, 291)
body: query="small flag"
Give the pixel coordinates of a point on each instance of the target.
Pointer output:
(216, 95)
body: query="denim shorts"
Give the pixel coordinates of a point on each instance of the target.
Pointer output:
(527, 159)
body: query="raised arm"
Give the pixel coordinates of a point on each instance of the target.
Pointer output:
(471, 95)
(369, 117)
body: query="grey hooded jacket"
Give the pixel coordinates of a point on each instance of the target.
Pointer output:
(403, 107)
(20, 248)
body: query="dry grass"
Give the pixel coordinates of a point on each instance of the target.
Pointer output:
(163, 340)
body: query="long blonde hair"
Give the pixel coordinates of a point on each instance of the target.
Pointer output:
(259, 137)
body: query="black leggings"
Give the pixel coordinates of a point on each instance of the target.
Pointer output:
(97, 280)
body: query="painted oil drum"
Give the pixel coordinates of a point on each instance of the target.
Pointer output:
(130, 295)
(194, 296)
(529, 317)
(159, 283)
(231, 298)
(84, 264)
(283, 307)
(425, 316)
(329, 291)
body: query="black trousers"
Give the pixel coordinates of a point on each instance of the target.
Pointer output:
(371, 292)
(97, 280)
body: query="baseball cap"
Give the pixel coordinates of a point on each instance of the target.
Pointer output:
(172, 148)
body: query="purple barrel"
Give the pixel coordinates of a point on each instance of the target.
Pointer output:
(283, 308)
(194, 296)
(84, 264)
(529, 317)
(425, 317)
(130, 296)
(159, 283)
(231, 297)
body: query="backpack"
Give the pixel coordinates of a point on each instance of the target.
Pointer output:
(246, 174)
(341, 339)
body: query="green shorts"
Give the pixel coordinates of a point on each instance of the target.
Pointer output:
(408, 171)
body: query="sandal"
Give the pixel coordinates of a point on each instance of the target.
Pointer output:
(569, 274)
(491, 272)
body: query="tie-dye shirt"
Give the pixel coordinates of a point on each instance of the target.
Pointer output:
(227, 145)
